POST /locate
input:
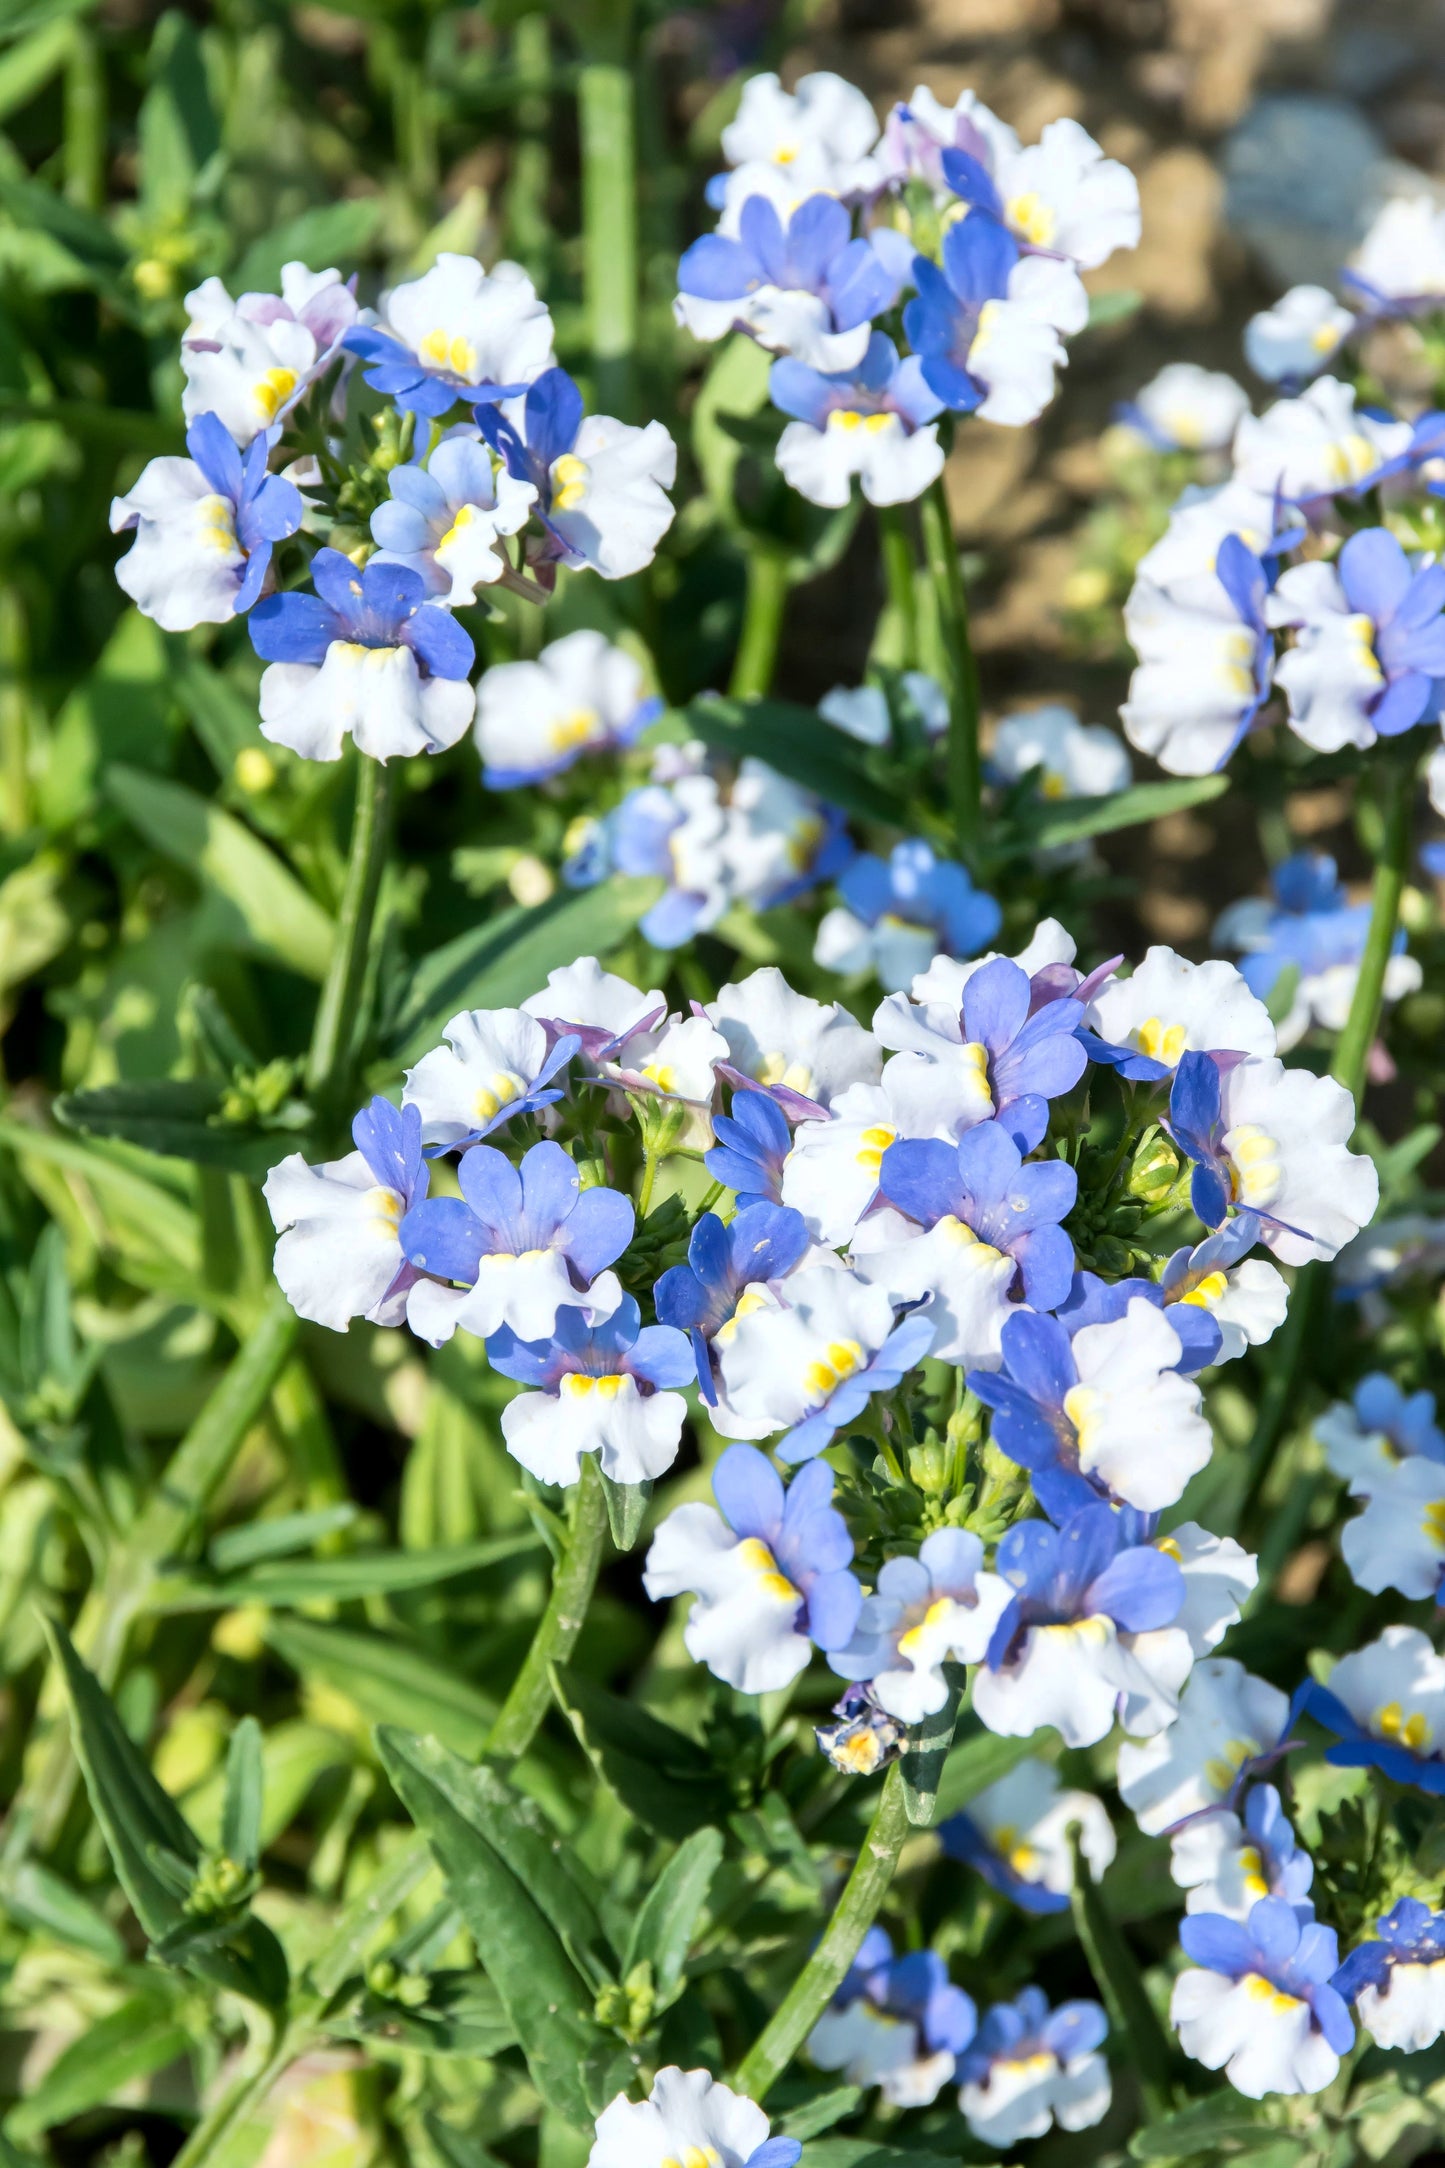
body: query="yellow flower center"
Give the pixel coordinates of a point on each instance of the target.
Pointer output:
(975, 1057)
(387, 1207)
(753, 1297)
(1261, 1990)
(449, 350)
(1253, 1868)
(273, 390)
(848, 420)
(1391, 1722)
(960, 1236)
(1222, 1768)
(1084, 1408)
(1432, 1525)
(937, 1613)
(776, 1068)
(1236, 663)
(503, 1087)
(1169, 1547)
(1160, 1041)
(569, 482)
(1254, 1166)
(754, 1554)
(660, 1073)
(466, 516)
(1351, 459)
(574, 728)
(842, 1359)
(578, 1385)
(1030, 216)
(218, 525)
(1360, 631)
(1207, 1291)
(694, 2156)
(872, 1145)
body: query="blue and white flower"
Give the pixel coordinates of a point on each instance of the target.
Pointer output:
(495, 1065)
(1379, 1430)
(781, 839)
(817, 138)
(1229, 1724)
(809, 1368)
(521, 1244)
(1396, 1979)
(1243, 1296)
(1386, 1705)
(581, 695)
(1167, 1007)
(801, 1051)
(1274, 1142)
(456, 333)
(987, 324)
(604, 1011)
(1369, 643)
(896, 2022)
(1012, 1045)
(752, 1142)
(798, 283)
(1104, 1414)
(1317, 447)
(678, 832)
(1399, 267)
(250, 361)
(1311, 928)
(601, 485)
(920, 129)
(366, 654)
(1046, 959)
(608, 1387)
(769, 1571)
(1399, 1540)
(1184, 561)
(1259, 2004)
(446, 519)
(204, 529)
(1030, 2067)
(1299, 336)
(1066, 758)
(973, 1232)
(730, 1270)
(938, 1608)
(1227, 1863)
(339, 1254)
(1061, 195)
(1206, 660)
(1016, 1834)
(898, 913)
(688, 2118)
(1187, 408)
(877, 421)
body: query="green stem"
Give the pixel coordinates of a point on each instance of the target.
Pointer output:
(561, 1622)
(208, 2139)
(1355, 1041)
(854, 1913)
(1131, 2014)
(85, 122)
(652, 1160)
(333, 1035)
(901, 647)
(956, 666)
(767, 595)
(607, 126)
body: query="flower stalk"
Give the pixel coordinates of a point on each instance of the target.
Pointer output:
(333, 1036)
(572, 1585)
(956, 667)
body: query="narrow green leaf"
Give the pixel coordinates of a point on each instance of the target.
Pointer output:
(31, 61)
(178, 130)
(821, 2112)
(664, 1928)
(1222, 2123)
(333, 234)
(1070, 820)
(180, 1117)
(132, 2042)
(627, 1505)
(541, 1989)
(255, 1541)
(662, 1777)
(455, 2149)
(275, 916)
(341, 1580)
(800, 745)
(241, 1818)
(35, 1897)
(864, 2153)
(927, 1752)
(390, 1681)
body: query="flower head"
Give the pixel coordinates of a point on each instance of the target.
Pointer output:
(1066, 758)
(1014, 1053)
(1227, 1863)
(1311, 930)
(496, 1064)
(1299, 336)
(1144, 1024)
(1205, 660)
(597, 1388)
(987, 324)
(831, 1175)
(802, 1052)
(250, 361)
(457, 332)
(1229, 1726)
(1378, 1430)
(1369, 642)
(204, 529)
(753, 1141)
(1386, 1706)
(339, 1255)
(797, 281)
(535, 719)
(1217, 1283)
(1260, 2007)
(1309, 450)
(769, 1571)
(1060, 196)
(896, 2022)
(937, 1608)
(875, 420)
(900, 912)
(688, 2118)
(1396, 1979)
(1399, 267)
(1016, 1834)
(1187, 408)
(1030, 2067)
(601, 485)
(445, 519)
(816, 137)
(726, 1267)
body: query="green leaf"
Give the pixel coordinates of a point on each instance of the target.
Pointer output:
(132, 2042)
(664, 1928)
(627, 1505)
(254, 1541)
(977, 1760)
(275, 916)
(543, 1993)
(389, 1681)
(96, 252)
(463, 2015)
(342, 1580)
(500, 963)
(241, 1817)
(222, 713)
(1114, 308)
(180, 1117)
(736, 384)
(35, 1897)
(864, 2153)
(821, 2112)
(31, 61)
(800, 745)
(927, 1751)
(1070, 820)
(454, 2148)
(179, 132)
(1221, 2123)
(331, 235)
(294, 1755)
(662, 1777)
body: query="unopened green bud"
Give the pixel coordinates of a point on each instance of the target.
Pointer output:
(221, 1884)
(1155, 1169)
(928, 1466)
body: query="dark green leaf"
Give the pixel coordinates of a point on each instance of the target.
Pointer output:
(800, 745)
(664, 1928)
(179, 1117)
(627, 1505)
(390, 1681)
(543, 1993)
(97, 252)
(1222, 2123)
(132, 2042)
(455, 2149)
(364, 1573)
(463, 2015)
(179, 133)
(35, 1897)
(241, 1816)
(1071, 820)
(334, 234)
(224, 716)
(864, 2153)
(821, 2112)
(662, 1777)
(927, 1751)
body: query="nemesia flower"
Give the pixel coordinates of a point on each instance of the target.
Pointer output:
(457, 332)
(1274, 1142)
(987, 324)
(832, 1172)
(937, 1608)
(1299, 336)
(1030, 2067)
(1016, 1833)
(601, 485)
(1061, 195)
(1396, 1979)
(368, 654)
(1399, 267)
(728, 1268)
(799, 284)
(1095, 1301)
(581, 695)
(920, 129)
(677, 833)
(1186, 408)
(250, 361)
(1046, 959)
(1228, 1722)
(496, 1064)
(1260, 2007)
(863, 711)
(1167, 1007)
(598, 1388)
(780, 839)
(1012, 1055)
(972, 1226)
(445, 519)
(1243, 1296)
(1316, 447)
(895, 2022)
(876, 421)
(801, 1051)
(1312, 928)
(769, 1571)
(817, 137)
(810, 1368)
(1386, 1705)
(1105, 1413)
(1205, 662)
(1367, 1439)
(1399, 1539)
(1369, 643)
(900, 912)
(1184, 562)
(339, 1255)
(602, 1010)
(523, 1242)
(1227, 1864)
(752, 1144)
(688, 2114)
(1067, 758)
(204, 529)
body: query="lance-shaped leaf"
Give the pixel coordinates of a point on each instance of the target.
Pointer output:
(182, 1117)
(545, 1996)
(927, 1750)
(664, 1928)
(627, 1505)
(661, 1776)
(129, 2044)
(241, 1815)
(463, 2015)
(1071, 820)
